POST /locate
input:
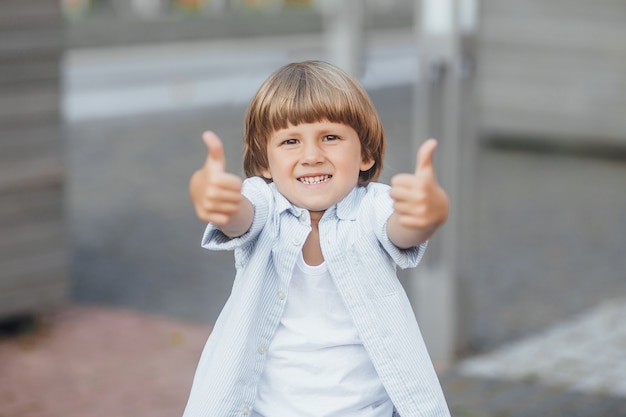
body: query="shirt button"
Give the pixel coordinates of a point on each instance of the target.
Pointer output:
(245, 410)
(261, 349)
(303, 216)
(281, 295)
(295, 242)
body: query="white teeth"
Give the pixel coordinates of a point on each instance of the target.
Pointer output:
(314, 180)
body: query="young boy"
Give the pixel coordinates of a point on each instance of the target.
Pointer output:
(317, 323)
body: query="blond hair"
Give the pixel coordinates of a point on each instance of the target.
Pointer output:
(309, 92)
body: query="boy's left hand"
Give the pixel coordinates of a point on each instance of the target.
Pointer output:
(419, 200)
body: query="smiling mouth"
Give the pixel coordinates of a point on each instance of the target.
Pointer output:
(317, 179)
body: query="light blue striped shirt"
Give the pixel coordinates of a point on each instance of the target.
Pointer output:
(362, 262)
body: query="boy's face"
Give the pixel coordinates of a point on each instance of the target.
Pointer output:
(315, 165)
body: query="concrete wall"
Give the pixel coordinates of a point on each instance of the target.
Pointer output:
(32, 249)
(553, 68)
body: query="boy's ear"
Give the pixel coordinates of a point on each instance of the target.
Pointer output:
(365, 165)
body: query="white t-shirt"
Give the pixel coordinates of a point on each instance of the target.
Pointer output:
(316, 364)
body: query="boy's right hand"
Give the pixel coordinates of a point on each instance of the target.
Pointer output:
(215, 193)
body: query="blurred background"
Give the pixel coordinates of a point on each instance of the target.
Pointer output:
(103, 104)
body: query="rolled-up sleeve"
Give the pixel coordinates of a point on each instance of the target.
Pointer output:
(382, 208)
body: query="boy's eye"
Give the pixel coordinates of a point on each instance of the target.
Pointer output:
(330, 137)
(290, 142)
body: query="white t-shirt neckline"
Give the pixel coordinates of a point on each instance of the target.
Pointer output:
(316, 364)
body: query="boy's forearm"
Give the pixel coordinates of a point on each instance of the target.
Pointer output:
(241, 221)
(406, 237)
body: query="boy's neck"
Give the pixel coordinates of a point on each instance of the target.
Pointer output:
(312, 251)
(316, 216)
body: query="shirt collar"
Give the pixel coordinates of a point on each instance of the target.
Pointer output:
(346, 209)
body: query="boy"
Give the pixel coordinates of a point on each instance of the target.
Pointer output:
(317, 323)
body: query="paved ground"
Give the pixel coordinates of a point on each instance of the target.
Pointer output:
(585, 354)
(103, 362)
(89, 361)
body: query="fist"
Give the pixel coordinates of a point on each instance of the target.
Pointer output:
(216, 194)
(419, 200)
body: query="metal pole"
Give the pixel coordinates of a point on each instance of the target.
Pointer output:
(344, 28)
(441, 100)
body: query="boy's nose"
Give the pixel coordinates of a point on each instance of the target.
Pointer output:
(312, 154)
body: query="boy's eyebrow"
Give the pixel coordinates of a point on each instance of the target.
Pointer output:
(284, 132)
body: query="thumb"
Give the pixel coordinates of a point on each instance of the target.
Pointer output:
(425, 156)
(216, 161)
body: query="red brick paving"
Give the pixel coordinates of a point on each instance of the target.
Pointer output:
(100, 362)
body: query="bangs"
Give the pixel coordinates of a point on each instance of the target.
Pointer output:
(306, 97)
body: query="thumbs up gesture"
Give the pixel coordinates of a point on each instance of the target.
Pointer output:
(215, 193)
(420, 204)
